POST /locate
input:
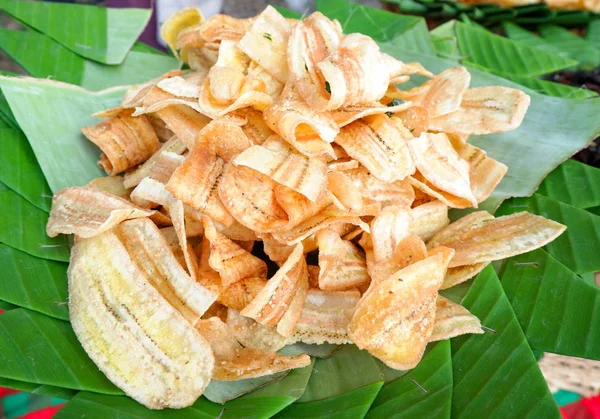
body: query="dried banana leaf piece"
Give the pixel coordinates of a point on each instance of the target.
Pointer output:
(379, 144)
(252, 334)
(499, 238)
(88, 211)
(234, 362)
(155, 356)
(453, 320)
(484, 110)
(125, 141)
(342, 266)
(325, 317)
(394, 320)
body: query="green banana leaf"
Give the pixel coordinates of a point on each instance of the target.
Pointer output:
(557, 310)
(34, 283)
(343, 386)
(549, 88)
(42, 390)
(573, 183)
(578, 247)
(426, 391)
(35, 348)
(579, 49)
(21, 171)
(496, 374)
(23, 227)
(4, 306)
(224, 391)
(51, 115)
(517, 33)
(101, 34)
(26, 48)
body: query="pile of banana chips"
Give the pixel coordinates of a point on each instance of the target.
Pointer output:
(286, 142)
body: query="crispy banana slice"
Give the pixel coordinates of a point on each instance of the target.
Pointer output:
(255, 127)
(460, 274)
(288, 321)
(428, 219)
(87, 212)
(374, 190)
(112, 184)
(468, 222)
(453, 320)
(409, 250)
(172, 27)
(388, 229)
(136, 338)
(239, 294)
(394, 319)
(252, 334)
(497, 238)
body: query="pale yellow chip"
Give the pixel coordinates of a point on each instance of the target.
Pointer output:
(271, 303)
(88, 211)
(325, 317)
(125, 141)
(180, 20)
(259, 80)
(285, 166)
(426, 192)
(158, 99)
(380, 145)
(441, 165)
(255, 127)
(297, 207)
(374, 190)
(150, 193)
(428, 219)
(252, 334)
(345, 195)
(227, 77)
(112, 184)
(290, 318)
(498, 238)
(453, 320)
(460, 274)
(239, 294)
(230, 260)
(177, 214)
(342, 266)
(234, 362)
(266, 42)
(394, 319)
(484, 110)
(409, 250)
(275, 250)
(224, 137)
(179, 87)
(468, 222)
(388, 229)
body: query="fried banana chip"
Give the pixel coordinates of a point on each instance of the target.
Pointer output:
(342, 266)
(497, 238)
(276, 251)
(442, 94)
(266, 42)
(441, 165)
(224, 137)
(179, 87)
(349, 114)
(135, 94)
(227, 77)
(155, 355)
(460, 274)
(230, 260)
(285, 166)
(380, 145)
(325, 317)
(297, 207)
(453, 320)
(125, 141)
(87, 212)
(184, 121)
(288, 321)
(150, 193)
(426, 192)
(177, 214)
(484, 110)
(394, 319)
(415, 119)
(373, 190)
(388, 229)
(112, 184)
(428, 219)
(239, 294)
(252, 334)
(468, 222)
(309, 131)
(172, 27)
(255, 128)
(212, 31)
(311, 41)
(134, 177)
(409, 250)
(273, 300)
(234, 362)
(249, 196)
(346, 195)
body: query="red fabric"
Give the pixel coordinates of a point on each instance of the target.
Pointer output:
(7, 392)
(46, 413)
(584, 409)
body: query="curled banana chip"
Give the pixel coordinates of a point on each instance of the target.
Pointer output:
(172, 27)
(114, 185)
(239, 294)
(409, 250)
(388, 229)
(453, 320)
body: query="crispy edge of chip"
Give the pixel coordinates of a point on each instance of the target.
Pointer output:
(428, 192)
(111, 184)
(453, 320)
(468, 222)
(460, 274)
(290, 318)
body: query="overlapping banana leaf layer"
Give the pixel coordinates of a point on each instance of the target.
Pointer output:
(546, 300)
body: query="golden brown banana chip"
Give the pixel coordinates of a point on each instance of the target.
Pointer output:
(441, 165)
(259, 80)
(453, 320)
(373, 190)
(212, 31)
(409, 250)
(112, 184)
(380, 145)
(442, 94)
(287, 323)
(155, 355)
(460, 274)
(415, 119)
(240, 293)
(309, 131)
(388, 229)
(87, 212)
(325, 317)
(184, 121)
(342, 266)
(394, 319)
(426, 192)
(297, 207)
(234, 362)
(224, 137)
(275, 250)
(177, 214)
(249, 196)
(255, 128)
(157, 99)
(134, 177)
(500, 238)
(266, 42)
(125, 141)
(274, 299)
(229, 259)
(466, 223)
(180, 87)
(484, 110)
(172, 27)
(252, 334)
(428, 219)
(345, 195)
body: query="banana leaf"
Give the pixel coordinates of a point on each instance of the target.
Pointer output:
(21, 171)
(51, 115)
(557, 310)
(101, 34)
(496, 374)
(42, 390)
(35, 348)
(579, 49)
(26, 48)
(549, 88)
(573, 183)
(23, 227)
(224, 391)
(34, 283)
(4, 306)
(426, 391)
(517, 33)
(578, 247)
(343, 386)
